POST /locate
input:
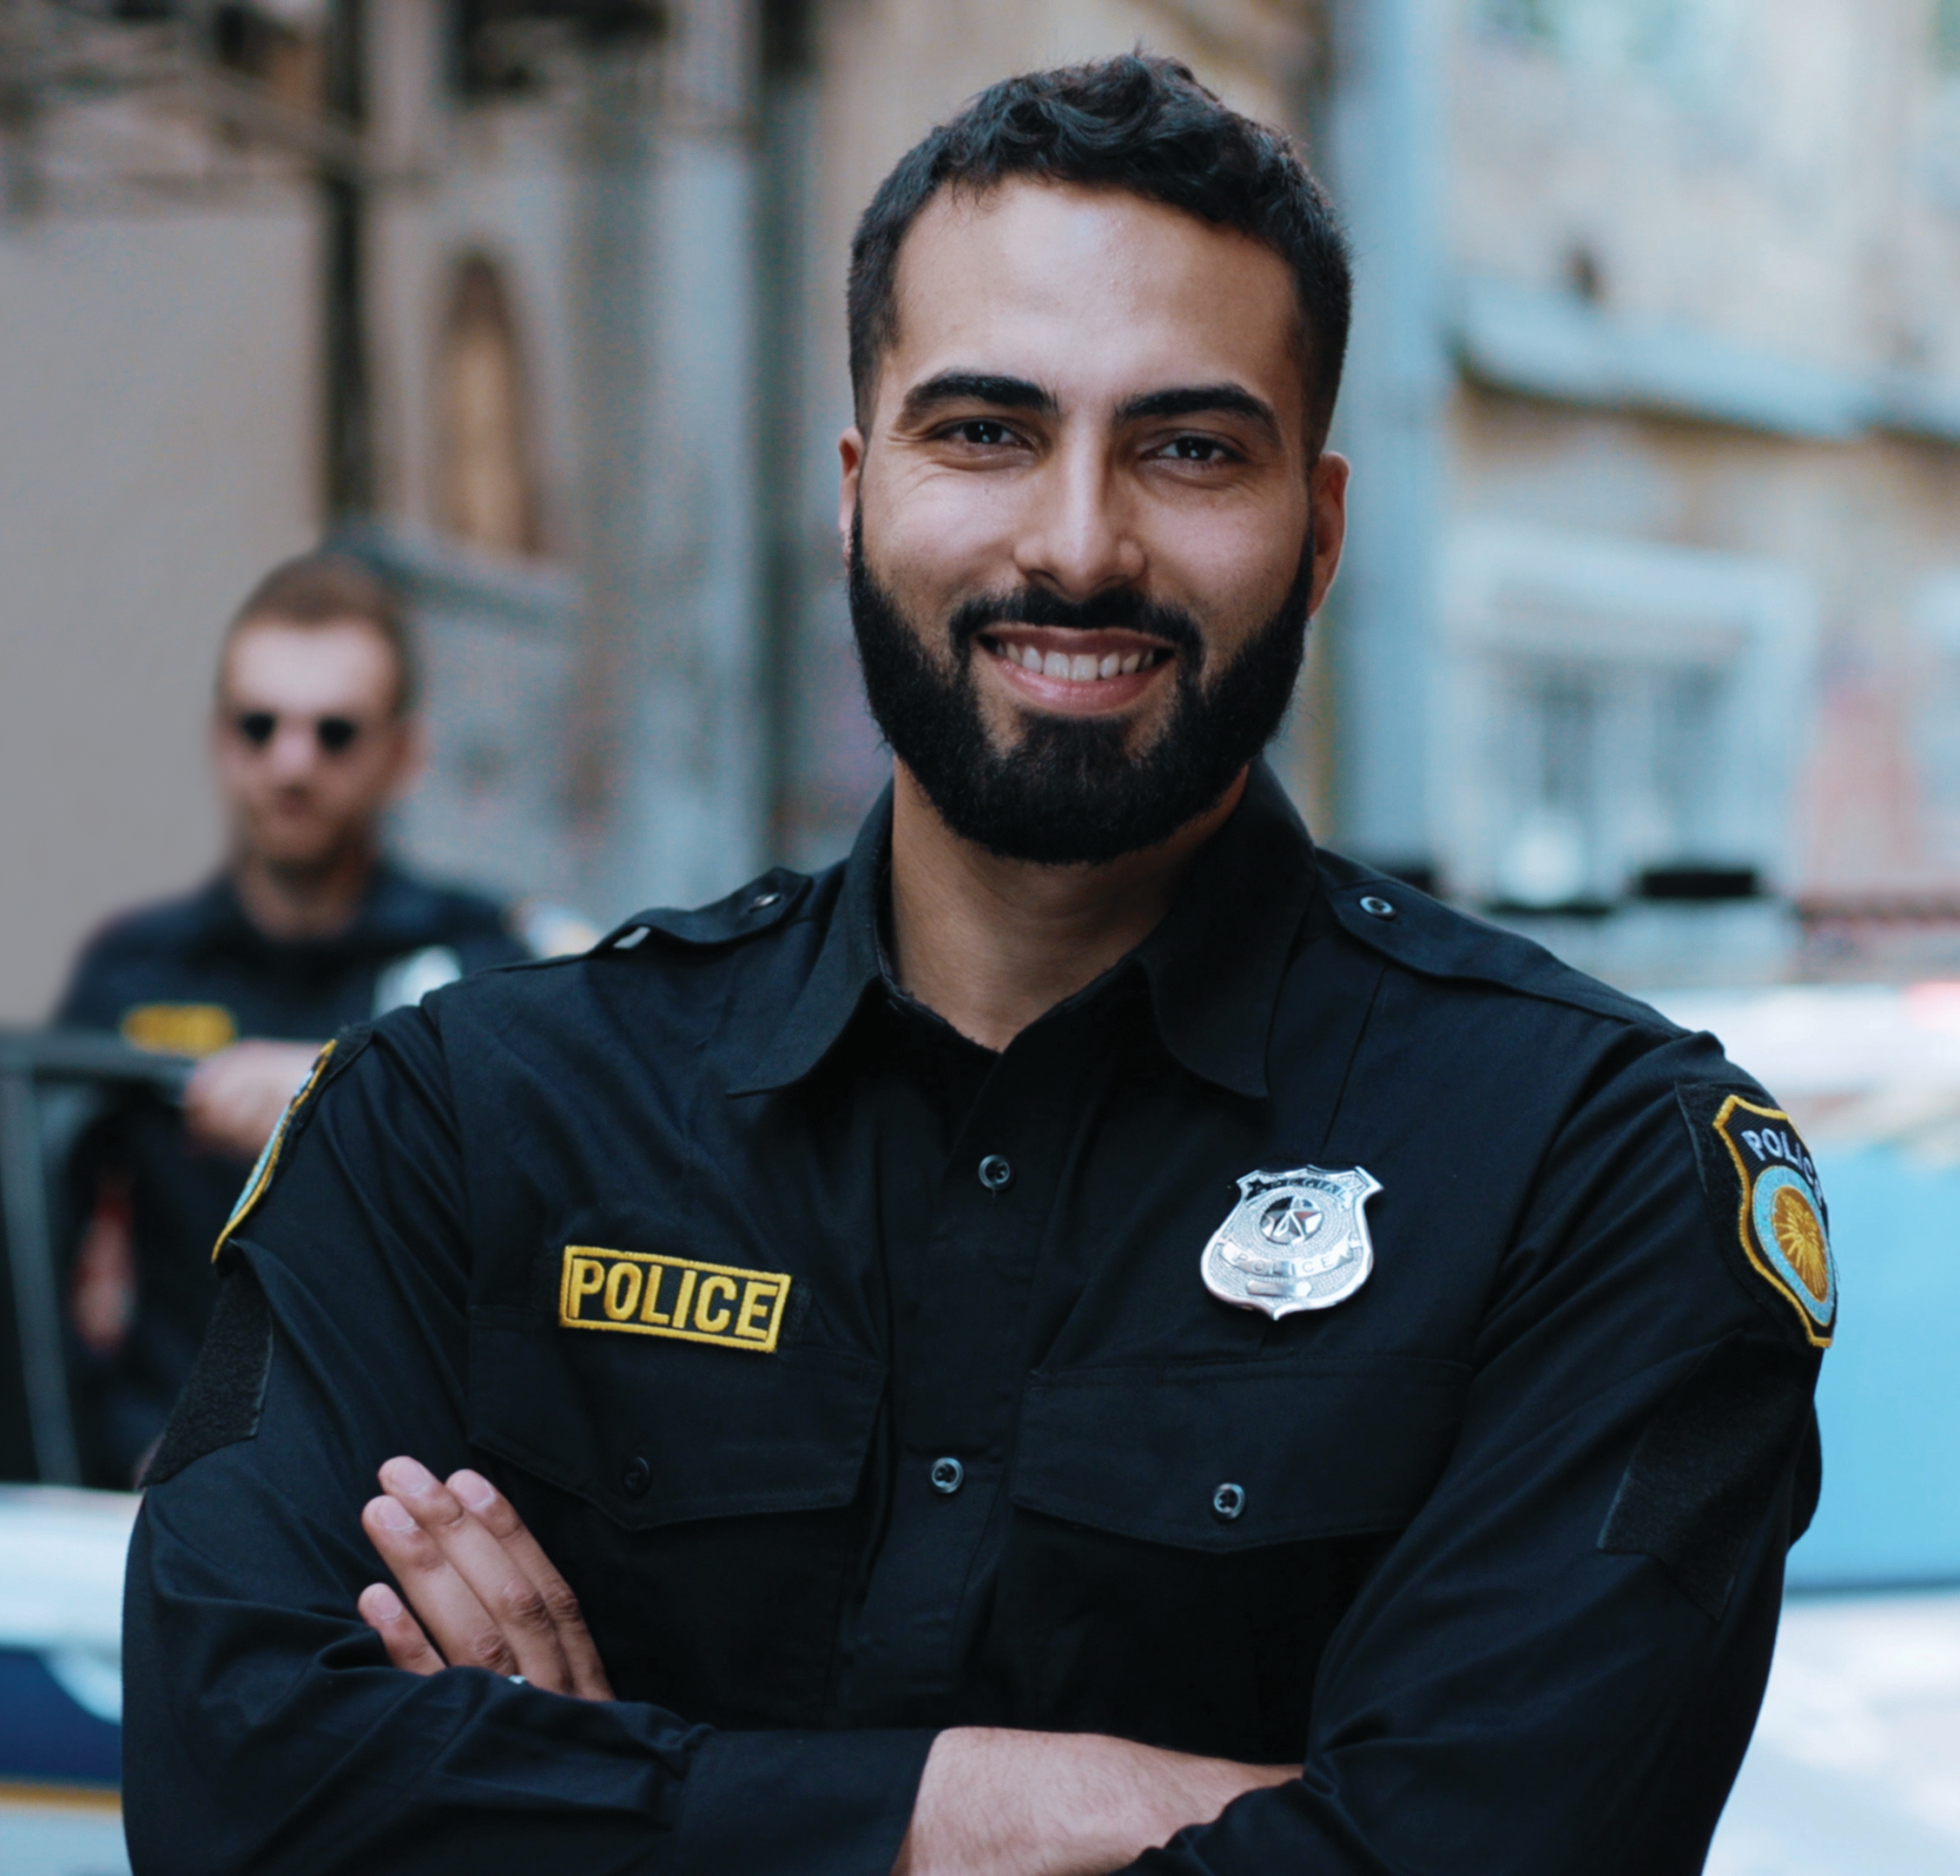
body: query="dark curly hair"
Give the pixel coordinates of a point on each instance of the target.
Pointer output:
(1135, 122)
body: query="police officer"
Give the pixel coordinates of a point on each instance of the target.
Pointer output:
(1093, 1333)
(307, 928)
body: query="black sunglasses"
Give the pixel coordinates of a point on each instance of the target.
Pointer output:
(336, 734)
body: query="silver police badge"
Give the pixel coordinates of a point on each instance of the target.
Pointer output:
(1294, 1241)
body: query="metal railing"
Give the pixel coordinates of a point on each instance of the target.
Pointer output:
(32, 1061)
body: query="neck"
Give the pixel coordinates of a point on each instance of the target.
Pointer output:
(992, 944)
(289, 903)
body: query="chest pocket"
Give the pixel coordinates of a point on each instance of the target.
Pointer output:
(657, 1432)
(702, 1501)
(1232, 1456)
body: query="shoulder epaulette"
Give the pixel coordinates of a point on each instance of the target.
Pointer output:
(760, 905)
(1435, 939)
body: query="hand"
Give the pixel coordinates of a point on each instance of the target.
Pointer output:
(234, 1100)
(995, 1802)
(481, 1591)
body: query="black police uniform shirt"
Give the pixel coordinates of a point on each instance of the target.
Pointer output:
(863, 1382)
(188, 976)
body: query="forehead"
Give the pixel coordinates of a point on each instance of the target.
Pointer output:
(340, 664)
(1092, 290)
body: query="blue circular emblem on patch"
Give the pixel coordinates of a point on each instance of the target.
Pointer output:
(1789, 1228)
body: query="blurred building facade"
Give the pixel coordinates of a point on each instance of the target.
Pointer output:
(1697, 608)
(1649, 639)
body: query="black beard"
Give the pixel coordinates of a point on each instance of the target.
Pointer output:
(1068, 793)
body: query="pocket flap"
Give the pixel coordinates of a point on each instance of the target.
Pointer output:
(1315, 1448)
(665, 1432)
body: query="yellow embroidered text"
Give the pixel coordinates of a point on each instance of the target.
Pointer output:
(640, 1292)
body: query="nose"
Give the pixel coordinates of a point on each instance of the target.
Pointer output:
(1079, 540)
(294, 746)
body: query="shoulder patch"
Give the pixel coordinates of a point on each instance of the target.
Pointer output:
(328, 1063)
(1767, 1206)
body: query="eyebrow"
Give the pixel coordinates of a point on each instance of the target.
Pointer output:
(979, 387)
(1191, 401)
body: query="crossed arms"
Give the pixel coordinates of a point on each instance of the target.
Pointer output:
(482, 1593)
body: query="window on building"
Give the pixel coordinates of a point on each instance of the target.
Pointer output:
(1613, 711)
(487, 494)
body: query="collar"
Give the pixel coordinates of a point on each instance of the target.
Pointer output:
(1215, 963)
(1213, 966)
(850, 960)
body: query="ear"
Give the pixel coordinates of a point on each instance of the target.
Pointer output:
(850, 456)
(1327, 493)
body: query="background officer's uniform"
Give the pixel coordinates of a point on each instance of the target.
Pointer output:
(863, 1382)
(189, 976)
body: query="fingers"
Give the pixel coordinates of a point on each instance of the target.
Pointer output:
(460, 1628)
(498, 1517)
(401, 1635)
(494, 1591)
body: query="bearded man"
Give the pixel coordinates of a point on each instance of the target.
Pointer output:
(1093, 1334)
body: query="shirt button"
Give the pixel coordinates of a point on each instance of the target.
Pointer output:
(1377, 907)
(635, 1477)
(1228, 1502)
(996, 1173)
(948, 1475)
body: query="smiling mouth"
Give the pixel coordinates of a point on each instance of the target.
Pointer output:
(1104, 656)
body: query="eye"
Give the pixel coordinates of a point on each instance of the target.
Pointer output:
(1198, 449)
(983, 432)
(336, 734)
(256, 727)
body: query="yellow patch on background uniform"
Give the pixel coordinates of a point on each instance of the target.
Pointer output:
(640, 1292)
(1781, 1219)
(268, 1163)
(196, 1029)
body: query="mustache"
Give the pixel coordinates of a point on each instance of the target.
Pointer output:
(1122, 610)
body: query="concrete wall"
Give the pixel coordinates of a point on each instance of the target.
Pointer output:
(156, 454)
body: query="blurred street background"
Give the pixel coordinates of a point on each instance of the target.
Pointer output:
(1647, 642)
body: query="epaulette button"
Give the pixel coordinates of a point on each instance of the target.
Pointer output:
(762, 901)
(1376, 907)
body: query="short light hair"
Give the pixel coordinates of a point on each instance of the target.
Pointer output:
(326, 589)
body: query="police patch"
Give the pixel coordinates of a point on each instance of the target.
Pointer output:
(640, 1292)
(195, 1029)
(261, 1176)
(1778, 1218)
(1295, 1241)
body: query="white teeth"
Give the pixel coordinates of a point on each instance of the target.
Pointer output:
(1078, 667)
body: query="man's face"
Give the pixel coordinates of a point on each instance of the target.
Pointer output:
(1084, 529)
(306, 744)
